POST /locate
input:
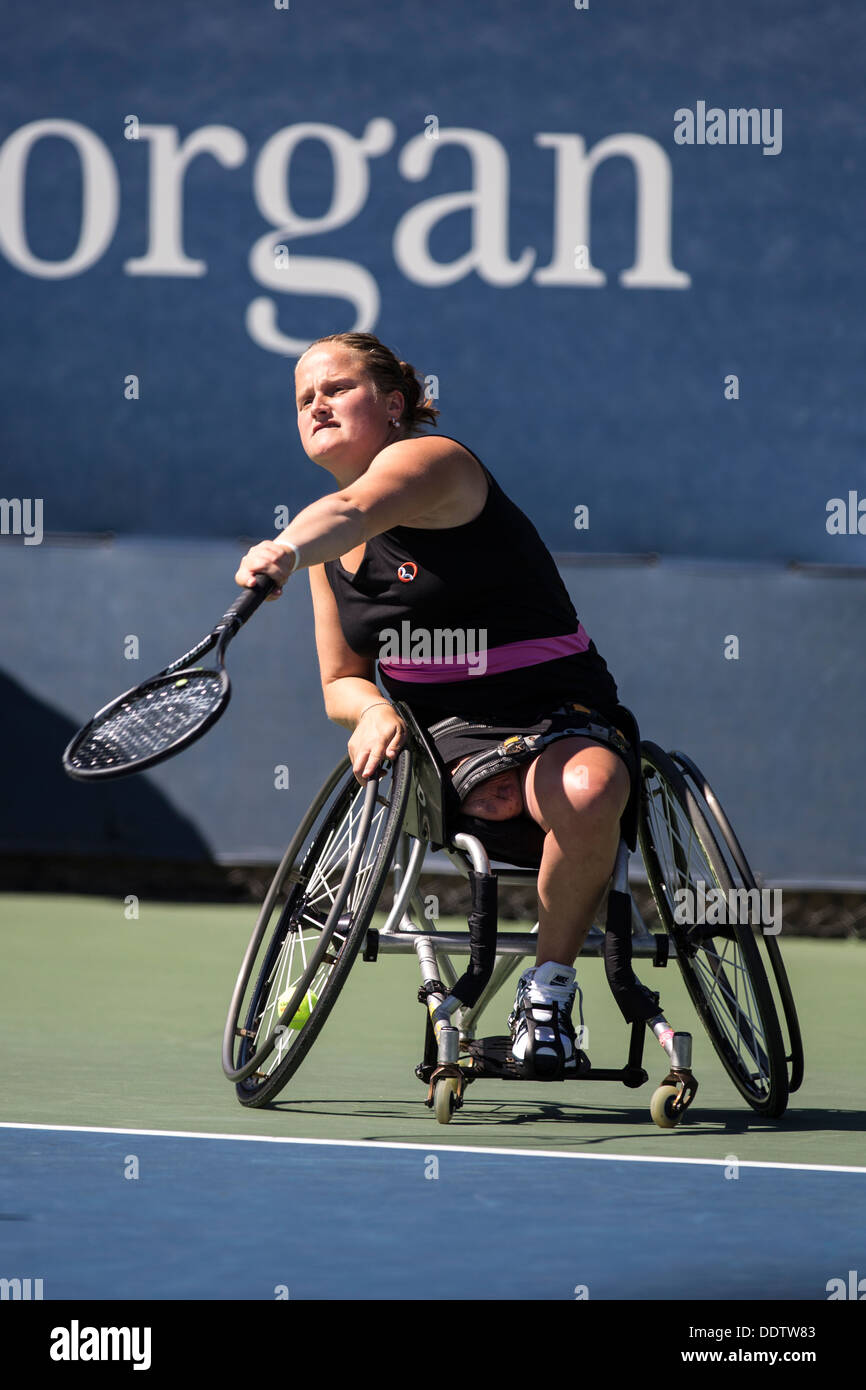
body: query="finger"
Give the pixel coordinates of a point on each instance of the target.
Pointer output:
(265, 567)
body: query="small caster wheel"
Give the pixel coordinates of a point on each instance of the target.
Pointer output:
(444, 1099)
(661, 1107)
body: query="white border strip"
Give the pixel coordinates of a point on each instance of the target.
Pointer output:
(426, 1148)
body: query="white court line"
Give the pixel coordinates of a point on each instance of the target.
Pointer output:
(426, 1148)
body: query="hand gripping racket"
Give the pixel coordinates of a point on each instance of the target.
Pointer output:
(167, 713)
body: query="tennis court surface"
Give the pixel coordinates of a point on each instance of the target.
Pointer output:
(129, 1170)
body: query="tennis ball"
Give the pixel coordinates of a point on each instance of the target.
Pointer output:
(305, 1008)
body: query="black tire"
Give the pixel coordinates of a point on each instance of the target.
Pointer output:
(742, 875)
(318, 907)
(720, 964)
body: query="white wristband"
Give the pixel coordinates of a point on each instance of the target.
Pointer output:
(287, 545)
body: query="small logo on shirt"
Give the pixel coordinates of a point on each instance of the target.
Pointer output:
(406, 573)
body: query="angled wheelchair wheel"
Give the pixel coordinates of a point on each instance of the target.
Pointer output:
(720, 962)
(311, 925)
(741, 873)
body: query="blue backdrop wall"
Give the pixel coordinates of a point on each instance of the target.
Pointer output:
(655, 340)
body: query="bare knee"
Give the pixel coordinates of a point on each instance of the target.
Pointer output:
(596, 794)
(586, 795)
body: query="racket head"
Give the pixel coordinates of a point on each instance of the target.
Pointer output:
(147, 725)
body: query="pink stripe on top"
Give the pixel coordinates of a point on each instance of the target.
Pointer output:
(510, 657)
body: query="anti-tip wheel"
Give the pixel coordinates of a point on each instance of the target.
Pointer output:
(661, 1107)
(444, 1100)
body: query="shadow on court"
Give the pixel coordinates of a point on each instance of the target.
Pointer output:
(490, 1115)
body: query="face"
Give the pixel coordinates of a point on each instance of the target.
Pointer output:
(343, 424)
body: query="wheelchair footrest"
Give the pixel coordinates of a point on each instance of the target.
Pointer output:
(491, 1057)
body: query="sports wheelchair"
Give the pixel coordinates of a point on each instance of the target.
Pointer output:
(318, 913)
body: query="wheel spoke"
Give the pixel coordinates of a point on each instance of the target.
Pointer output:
(338, 851)
(316, 881)
(740, 1022)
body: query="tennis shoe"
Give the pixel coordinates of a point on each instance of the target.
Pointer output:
(543, 1039)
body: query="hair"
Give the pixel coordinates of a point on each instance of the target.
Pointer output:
(388, 374)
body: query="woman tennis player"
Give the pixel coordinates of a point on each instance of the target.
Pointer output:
(419, 532)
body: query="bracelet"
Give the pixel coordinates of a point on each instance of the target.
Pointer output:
(373, 706)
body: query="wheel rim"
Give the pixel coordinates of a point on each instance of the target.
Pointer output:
(720, 963)
(306, 942)
(741, 873)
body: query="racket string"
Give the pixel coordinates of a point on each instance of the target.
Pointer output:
(150, 722)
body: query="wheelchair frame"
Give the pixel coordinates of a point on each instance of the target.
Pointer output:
(739, 1014)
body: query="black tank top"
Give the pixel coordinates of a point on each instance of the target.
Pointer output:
(492, 575)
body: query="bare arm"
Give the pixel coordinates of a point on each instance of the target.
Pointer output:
(406, 483)
(410, 482)
(352, 697)
(348, 680)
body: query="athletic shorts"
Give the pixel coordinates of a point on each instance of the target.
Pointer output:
(520, 840)
(460, 738)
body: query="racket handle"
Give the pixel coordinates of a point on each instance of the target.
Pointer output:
(245, 606)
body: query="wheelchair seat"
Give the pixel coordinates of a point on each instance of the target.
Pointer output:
(518, 841)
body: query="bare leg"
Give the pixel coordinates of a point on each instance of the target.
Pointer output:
(576, 790)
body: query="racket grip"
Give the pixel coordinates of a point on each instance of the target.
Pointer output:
(245, 606)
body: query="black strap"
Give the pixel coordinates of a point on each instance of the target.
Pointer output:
(520, 748)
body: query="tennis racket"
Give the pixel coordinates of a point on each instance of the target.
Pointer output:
(166, 713)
